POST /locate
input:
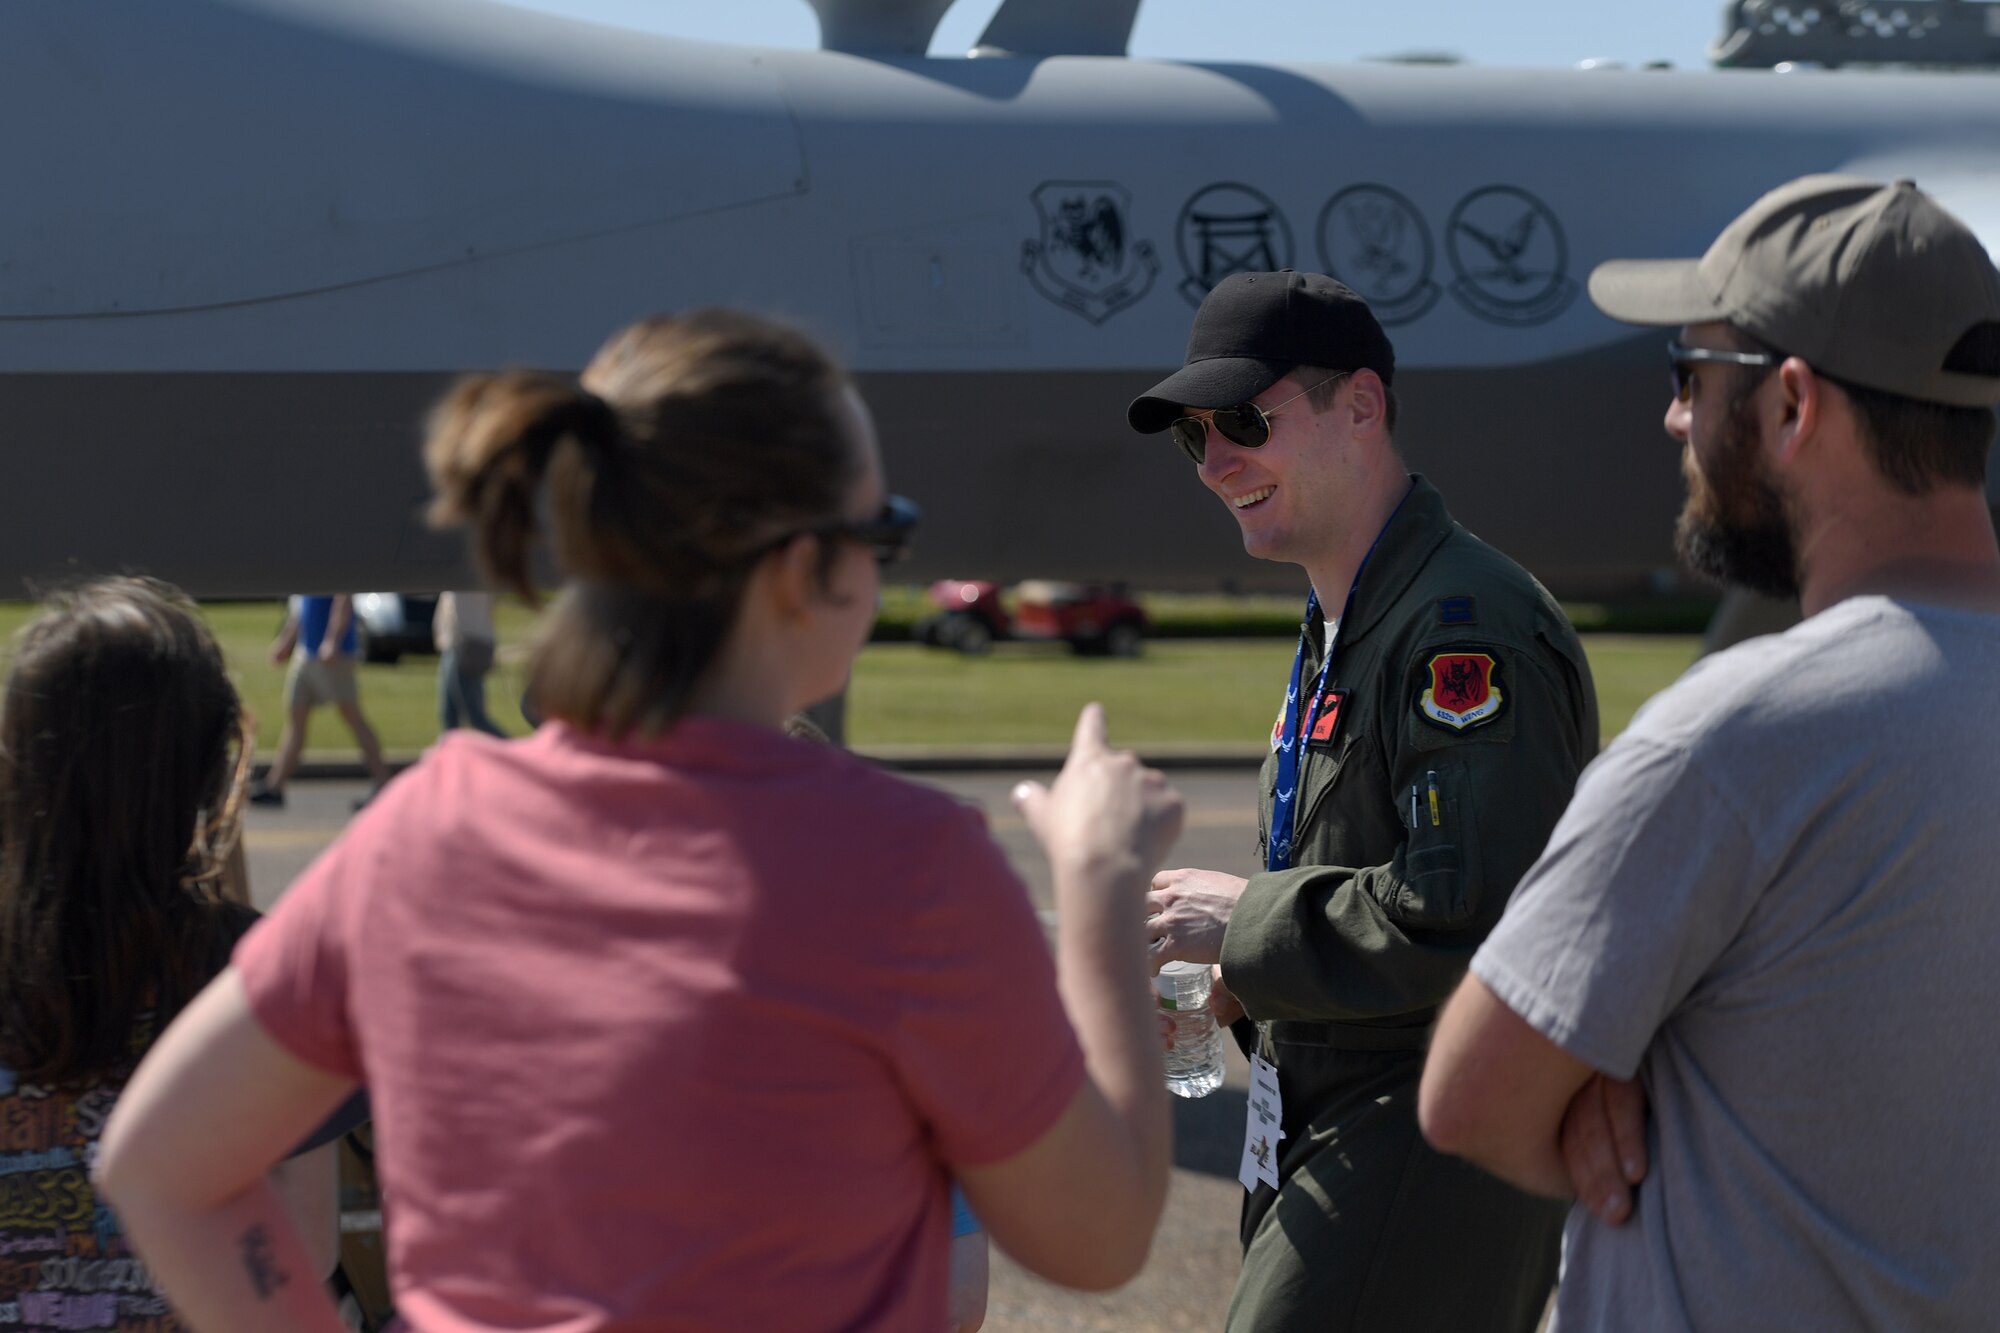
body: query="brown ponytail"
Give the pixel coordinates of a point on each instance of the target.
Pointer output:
(488, 448)
(694, 441)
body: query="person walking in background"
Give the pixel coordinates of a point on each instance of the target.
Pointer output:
(1438, 712)
(463, 632)
(320, 643)
(668, 1018)
(123, 761)
(1772, 902)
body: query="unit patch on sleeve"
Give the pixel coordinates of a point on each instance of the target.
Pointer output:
(1461, 691)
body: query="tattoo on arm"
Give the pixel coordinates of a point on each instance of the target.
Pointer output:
(260, 1263)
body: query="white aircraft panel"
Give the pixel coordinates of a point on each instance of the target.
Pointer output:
(184, 154)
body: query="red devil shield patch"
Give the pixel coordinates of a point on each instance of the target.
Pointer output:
(1461, 693)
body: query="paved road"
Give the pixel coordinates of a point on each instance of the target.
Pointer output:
(1186, 1284)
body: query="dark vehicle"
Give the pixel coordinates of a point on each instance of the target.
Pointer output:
(391, 624)
(1094, 619)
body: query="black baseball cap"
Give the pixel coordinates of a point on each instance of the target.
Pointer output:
(1253, 330)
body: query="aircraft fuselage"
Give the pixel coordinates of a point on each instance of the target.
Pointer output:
(249, 243)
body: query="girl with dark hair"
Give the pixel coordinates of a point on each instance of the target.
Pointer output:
(672, 1021)
(123, 756)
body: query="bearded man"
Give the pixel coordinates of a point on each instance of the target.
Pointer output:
(1773, 897)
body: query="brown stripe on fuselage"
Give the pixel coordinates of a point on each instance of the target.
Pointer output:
(262, 484)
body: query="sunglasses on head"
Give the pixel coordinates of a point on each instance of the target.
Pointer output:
(1682, 360)
(1245, 424)
(888, 533)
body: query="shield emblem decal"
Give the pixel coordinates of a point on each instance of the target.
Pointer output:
(1085, 259)
(1462, 693)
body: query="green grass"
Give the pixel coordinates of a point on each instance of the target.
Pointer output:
(1182, 691)
(1029, 694)
(1195, 615)
(400, 700)
(1631, 668)
(1188, 691)
(1174, 615)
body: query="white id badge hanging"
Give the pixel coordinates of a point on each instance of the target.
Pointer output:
(1260, 1127)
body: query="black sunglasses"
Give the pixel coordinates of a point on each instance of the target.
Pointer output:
(888, 532)
(1245, 424)
(1682, 360)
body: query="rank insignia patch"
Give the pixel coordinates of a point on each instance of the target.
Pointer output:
(1327, 724)
(1456, 611)
(1461, 693)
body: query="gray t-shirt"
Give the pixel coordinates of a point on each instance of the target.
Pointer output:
(1777, 898)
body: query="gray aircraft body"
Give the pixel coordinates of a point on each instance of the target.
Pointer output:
(246, 243)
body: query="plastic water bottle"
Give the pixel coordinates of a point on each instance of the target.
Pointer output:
(1194, 1065)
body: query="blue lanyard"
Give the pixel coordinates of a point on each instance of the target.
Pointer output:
(1292, 737)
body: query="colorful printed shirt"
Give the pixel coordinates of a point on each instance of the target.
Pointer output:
(64, 1263)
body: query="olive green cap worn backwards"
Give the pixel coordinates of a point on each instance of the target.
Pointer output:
(1869, 283)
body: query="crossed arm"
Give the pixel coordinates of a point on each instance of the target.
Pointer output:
(1495, 1091)
(1500, 1094)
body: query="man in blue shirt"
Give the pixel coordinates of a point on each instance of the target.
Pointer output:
(320, 641)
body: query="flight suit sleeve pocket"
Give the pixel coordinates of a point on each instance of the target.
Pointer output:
(1434, 889)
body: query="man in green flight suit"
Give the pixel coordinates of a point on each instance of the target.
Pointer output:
(1439, 712)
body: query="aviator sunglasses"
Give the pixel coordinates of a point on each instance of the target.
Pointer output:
(1681, 361)
(1245, 424)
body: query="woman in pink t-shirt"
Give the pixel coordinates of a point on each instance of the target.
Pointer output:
(671, 1021)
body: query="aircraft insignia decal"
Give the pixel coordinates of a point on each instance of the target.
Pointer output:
(1510, 256)
(1084, 260)
(1375, 241)
(1462, 692)
(1229, 228)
